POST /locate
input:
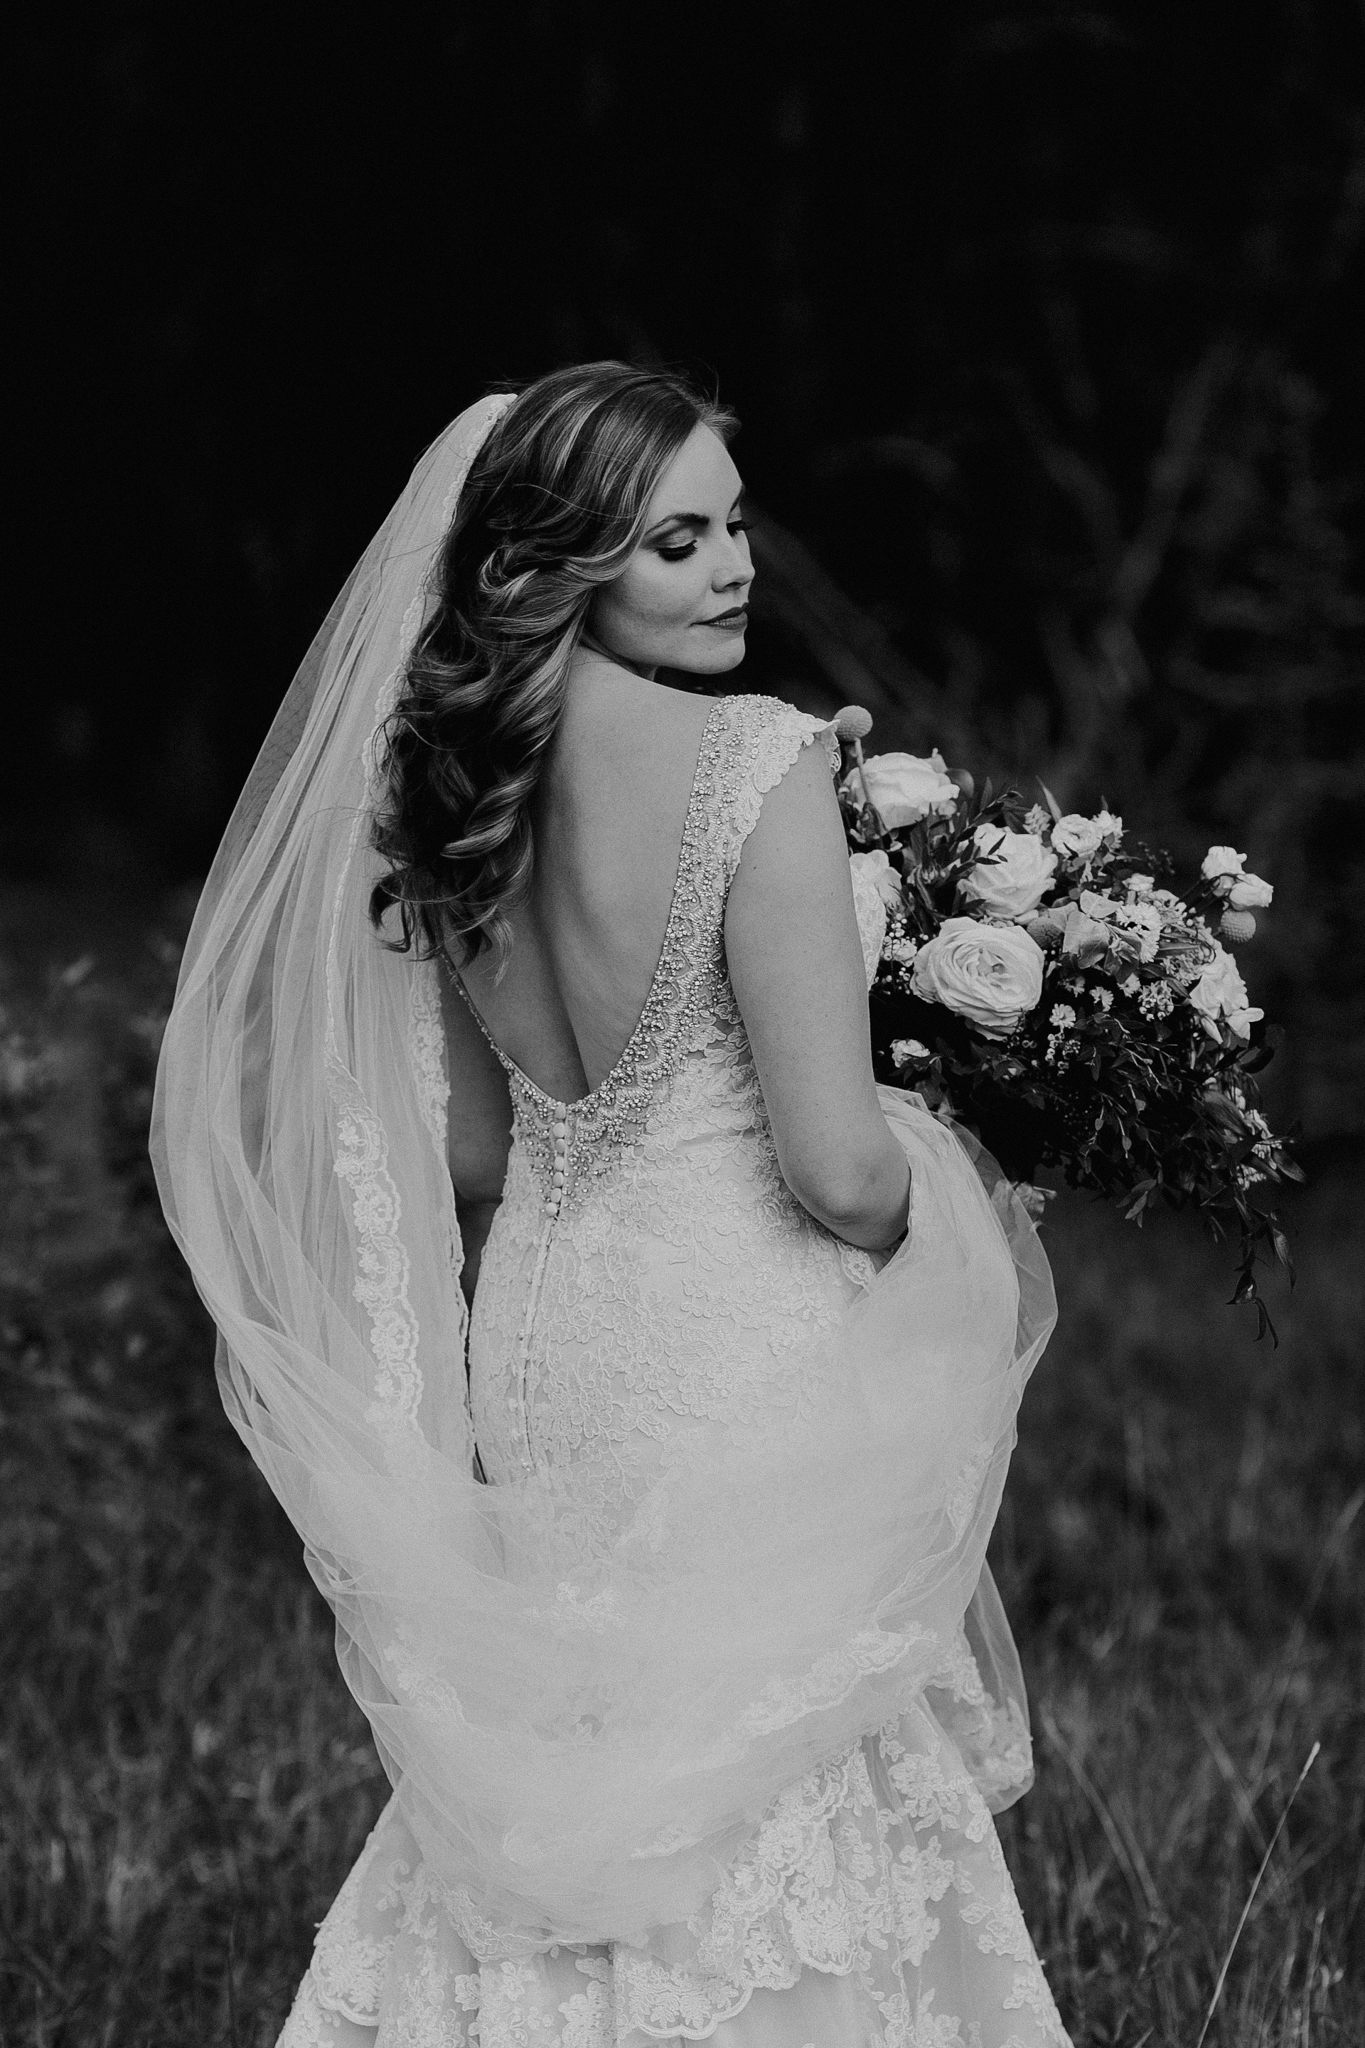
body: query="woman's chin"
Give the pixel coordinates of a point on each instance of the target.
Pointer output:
(714, 661)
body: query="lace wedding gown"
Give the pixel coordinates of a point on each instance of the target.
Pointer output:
(648, 1274)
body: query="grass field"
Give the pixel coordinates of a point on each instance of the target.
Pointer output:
(185, 1779)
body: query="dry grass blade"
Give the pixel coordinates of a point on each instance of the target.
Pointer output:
(1332, 1548)
(1309, 1762)
(1228, 1771)
(1127, 1851)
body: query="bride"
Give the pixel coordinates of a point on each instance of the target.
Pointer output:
(640, 1377)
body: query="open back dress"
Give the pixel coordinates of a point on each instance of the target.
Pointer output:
(651, 1284)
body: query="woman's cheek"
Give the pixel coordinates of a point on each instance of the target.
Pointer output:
(669, 599)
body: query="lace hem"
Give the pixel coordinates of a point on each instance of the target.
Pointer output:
(855, 1872)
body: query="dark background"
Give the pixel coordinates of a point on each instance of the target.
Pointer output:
(1043, 320)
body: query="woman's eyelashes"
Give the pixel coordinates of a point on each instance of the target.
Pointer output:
(681, 550)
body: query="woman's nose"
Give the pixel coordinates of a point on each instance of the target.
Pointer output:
(737, 568)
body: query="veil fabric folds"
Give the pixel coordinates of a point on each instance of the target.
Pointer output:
(579, 1744)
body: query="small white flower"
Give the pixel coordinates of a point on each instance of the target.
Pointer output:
(1102, 996)
(1221, 992)
(1062, 1016)
(1078, 838)
(904, 1050)
(1220, 862)
(1139, 887)
(1157, 999)
(1137, 926)
(1225, 868)
(1249, 892)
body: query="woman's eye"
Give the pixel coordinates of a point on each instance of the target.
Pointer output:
(681, 552)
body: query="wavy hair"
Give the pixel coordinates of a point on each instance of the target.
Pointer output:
(553, 508)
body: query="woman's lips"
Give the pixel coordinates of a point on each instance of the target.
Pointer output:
(729, 622)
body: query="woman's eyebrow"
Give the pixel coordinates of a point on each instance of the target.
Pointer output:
(697, 520)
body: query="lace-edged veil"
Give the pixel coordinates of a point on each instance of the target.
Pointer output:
(578, 1746)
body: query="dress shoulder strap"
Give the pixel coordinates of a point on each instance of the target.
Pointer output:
(764, 738)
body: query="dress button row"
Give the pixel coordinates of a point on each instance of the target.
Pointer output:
(559, 1166)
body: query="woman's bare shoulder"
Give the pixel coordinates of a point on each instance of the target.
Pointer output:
(614, 722)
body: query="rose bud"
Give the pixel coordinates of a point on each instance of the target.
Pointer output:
(1237, 926)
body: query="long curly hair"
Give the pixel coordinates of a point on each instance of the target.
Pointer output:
(553, 508)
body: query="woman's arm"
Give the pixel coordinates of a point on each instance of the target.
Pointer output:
(478, 1131)
(796, 966)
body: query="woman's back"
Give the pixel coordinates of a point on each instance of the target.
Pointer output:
(650, 1284)
(611, 814)
(608, 826)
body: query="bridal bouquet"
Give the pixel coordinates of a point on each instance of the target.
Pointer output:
(1036, 976)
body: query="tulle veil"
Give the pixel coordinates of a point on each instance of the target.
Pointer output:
(579, 1749)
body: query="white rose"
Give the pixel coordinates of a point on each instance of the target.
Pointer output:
(1014, 873)
(991, 974)
(1249, 892)
(903, 788)
(1078, 838)
(876, 885)
(1221, 992)
(904, 1050)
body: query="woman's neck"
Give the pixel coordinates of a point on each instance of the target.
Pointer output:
(593, 646)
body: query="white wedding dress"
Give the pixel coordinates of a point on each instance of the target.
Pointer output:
(648, 1276)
